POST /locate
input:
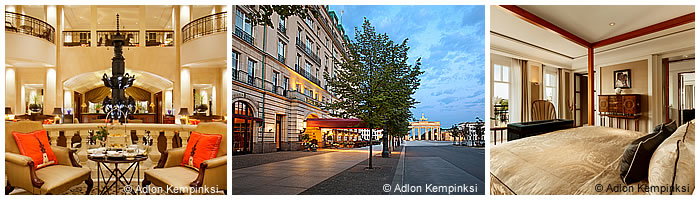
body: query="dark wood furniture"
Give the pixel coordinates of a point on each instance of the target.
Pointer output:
(621, 107)
(168, 119)
(527, 129)
(205, 118)
(34, 117)
(119, 175)
(93, 117)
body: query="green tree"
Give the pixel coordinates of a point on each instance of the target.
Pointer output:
(375, 82)
(262, 14)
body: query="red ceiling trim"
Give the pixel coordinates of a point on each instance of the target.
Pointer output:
(537, 21)
(647, 30)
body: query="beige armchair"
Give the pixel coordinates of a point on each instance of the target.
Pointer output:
(212, 172)
(53, 179)
(543, 110)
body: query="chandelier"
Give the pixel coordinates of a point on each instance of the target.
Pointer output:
(118, 107)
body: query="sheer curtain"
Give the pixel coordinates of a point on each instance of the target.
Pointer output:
(515, 109)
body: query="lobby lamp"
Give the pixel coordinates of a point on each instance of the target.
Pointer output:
(9, 116)
(57, 112)
(184, 114)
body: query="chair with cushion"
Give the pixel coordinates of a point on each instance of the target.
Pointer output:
(171, 172)
(543, 110)
(52, 179)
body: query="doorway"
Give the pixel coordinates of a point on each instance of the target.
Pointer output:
(580, 99)
(278, 131)
(686, 98)
(678, 89)
(242, 128)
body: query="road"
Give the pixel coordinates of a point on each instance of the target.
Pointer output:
(443, 165)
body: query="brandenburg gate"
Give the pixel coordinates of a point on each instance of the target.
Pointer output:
(432, 130)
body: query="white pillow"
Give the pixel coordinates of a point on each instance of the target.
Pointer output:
(673, 163)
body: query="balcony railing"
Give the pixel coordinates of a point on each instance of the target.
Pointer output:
(159, 38)
(206, 25)
(131, 38)
(307, 75)
(280, 58)
(19, 23)
(308, 51)
(165, 136)
(76, 38)
(293, 94)
(243, 35)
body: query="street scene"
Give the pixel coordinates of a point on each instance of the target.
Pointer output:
(357, 100)
(420, 165)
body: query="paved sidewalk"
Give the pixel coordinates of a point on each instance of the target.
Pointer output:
(295, 175)
(249, 160)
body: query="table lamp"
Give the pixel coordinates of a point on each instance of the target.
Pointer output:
(57, 112)
(184, 114)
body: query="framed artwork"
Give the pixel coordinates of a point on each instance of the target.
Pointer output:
(622, 78)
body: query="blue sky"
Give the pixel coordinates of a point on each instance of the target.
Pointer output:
(450, 41)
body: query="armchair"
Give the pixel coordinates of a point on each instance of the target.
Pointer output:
(54, 179)
(212, 172)
(543, 110)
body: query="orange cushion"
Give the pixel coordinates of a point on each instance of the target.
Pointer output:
(36, 145)
(200, 147)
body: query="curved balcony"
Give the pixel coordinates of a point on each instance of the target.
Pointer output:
(19, 23)
(206, 25)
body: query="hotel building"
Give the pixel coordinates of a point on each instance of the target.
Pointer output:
(278, 78)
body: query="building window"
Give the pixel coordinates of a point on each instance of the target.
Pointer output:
(251, 71)
(298, 87)
(310, 23)
(281, 46)
(501, 89)
(275, 76)
(296, 66)
(241, 23)
(234, 64)
(285, 84)
(309, 44)
(307, 69)
(550, 85)
(307, 92)
(283, 25)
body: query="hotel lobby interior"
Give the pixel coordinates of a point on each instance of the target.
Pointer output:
(117, 92)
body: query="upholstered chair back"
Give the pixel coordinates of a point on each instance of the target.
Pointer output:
(22, 127)
(214, 128)
(543, 110)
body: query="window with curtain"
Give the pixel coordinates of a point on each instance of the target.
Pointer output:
(501, 90)
(550, 86)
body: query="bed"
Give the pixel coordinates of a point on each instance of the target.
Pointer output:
(569, 161)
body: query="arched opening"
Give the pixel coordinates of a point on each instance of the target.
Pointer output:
(83, 94)
(243, 126)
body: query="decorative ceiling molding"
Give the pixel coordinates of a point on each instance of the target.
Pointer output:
(537, 21)
(647, 30)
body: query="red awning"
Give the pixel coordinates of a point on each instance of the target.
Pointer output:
(337, 123)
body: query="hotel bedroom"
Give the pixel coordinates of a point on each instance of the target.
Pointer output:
(592, 100)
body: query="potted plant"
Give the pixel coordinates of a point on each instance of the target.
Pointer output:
(305, 142)
(98, 107)
(36, 106)
(201, 106)
(100, 136)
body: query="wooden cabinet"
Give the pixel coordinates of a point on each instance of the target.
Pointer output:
(168, 119)
(620, 106)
